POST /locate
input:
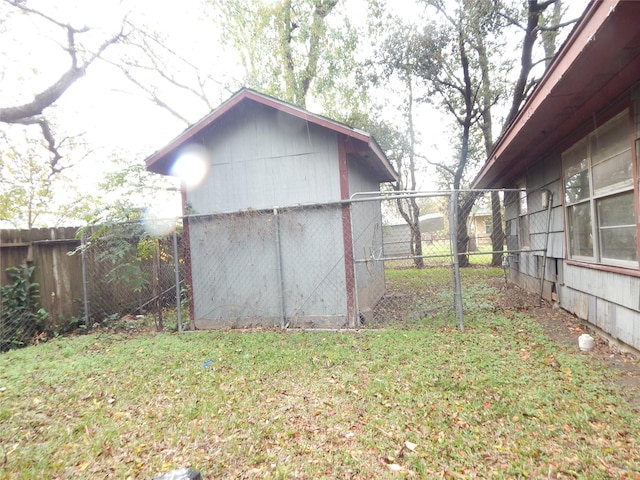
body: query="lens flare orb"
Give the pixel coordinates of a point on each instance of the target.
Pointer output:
(191, 166)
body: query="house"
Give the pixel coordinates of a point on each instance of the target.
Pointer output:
(479, 228)
(270, 231)
(574, 147)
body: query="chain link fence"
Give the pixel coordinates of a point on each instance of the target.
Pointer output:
(339, 265)
(443, 233)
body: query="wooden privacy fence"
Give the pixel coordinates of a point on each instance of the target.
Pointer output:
(58, 274)
(76, 287)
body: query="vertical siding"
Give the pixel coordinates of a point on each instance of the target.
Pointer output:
(58, 274)
(366, 219)
(313, 265)
(233, 270)
(236, 263)
(261, 158)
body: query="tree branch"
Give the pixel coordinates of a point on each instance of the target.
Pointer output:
(47, 97)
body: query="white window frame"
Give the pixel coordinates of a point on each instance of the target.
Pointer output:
(580, 160)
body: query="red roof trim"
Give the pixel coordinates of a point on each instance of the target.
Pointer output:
(585, 32)
(156, 162)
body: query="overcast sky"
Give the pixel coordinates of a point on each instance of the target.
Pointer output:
(110, 112)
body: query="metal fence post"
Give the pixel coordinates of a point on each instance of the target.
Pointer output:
(85, 290)
(549, 201)
(457, 288)
(276, 224)
(176, 267)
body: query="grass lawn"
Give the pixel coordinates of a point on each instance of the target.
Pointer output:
(422, 400)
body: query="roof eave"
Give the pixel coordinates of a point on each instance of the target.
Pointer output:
(585, 32)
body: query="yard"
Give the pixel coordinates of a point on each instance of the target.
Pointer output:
(417, 398)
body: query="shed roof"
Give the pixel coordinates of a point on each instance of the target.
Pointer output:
(359, 142)
(599, 62)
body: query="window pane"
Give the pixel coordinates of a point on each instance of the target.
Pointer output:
(574, 160)
(616, 211)
(615, 173)
(577, 187)
(619, 243)
(618, 234)
(580, 234)
(610, 139)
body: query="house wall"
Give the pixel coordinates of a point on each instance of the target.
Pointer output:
(609, 300)
(477, 231)
(255, 151)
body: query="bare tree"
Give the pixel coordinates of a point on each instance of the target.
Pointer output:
(32, 112)
(162, 74)
(537, 24)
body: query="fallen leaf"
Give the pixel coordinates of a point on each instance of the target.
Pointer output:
(410, 446)
(394, 467)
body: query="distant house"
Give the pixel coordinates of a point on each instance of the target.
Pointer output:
(479, 227)
(269, 228)
(578, 136)
(396, 234)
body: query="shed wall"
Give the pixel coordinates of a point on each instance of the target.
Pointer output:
(366, 221)
(288, 267)
(258, 268)
(261, 158)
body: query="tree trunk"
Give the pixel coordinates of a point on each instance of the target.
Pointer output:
(416, 236)
(463, 234)
(497, 232)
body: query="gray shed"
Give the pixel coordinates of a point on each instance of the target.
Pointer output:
(270, 238)
(397, 234)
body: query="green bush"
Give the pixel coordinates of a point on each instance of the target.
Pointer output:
(20, 317)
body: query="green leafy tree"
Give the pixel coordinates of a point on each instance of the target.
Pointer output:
(292, 49)
(459, 55)
(119, 241)
(32, 191)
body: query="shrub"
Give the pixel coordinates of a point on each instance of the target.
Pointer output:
(20, 317)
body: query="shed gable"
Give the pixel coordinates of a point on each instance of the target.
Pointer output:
(261, 158)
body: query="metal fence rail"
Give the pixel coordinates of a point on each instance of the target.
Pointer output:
(312, 266)
(456, 229)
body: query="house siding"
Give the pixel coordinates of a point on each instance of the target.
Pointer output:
(545, 233)
(606, 299)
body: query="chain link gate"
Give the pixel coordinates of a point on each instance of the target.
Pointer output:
(417, 233)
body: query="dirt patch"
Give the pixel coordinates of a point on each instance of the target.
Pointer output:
(564, 328)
